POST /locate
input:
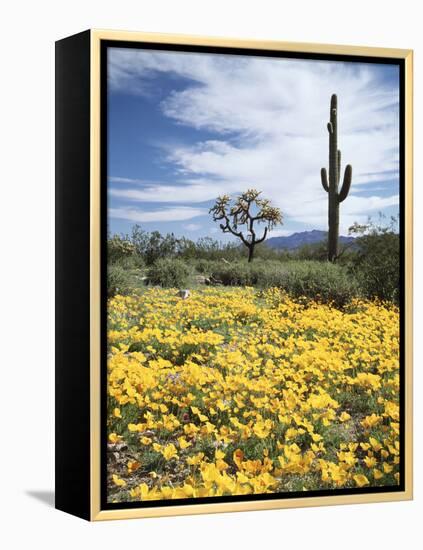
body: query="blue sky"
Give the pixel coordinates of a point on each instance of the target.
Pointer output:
(185, 128)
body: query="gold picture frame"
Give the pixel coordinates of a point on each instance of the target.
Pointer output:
(78, 488)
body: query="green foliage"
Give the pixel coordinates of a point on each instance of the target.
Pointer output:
(314, 251)
(265, 252)
(206, 248)
(169, 272)
(144, 248)
(236, 274)
(134, 263)
(202, 266)
(321, 281)
(118, 280)
(376, 264)
(119, 248)
(154, 245)
(370, 267)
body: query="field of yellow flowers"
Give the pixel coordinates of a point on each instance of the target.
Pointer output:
(240, 391)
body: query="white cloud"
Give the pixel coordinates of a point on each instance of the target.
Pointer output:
(269, 117)
(192, 192)
(192, 226)
(166, 215)
(353, 209)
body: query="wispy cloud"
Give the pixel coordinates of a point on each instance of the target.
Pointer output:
(165, 215)
(191, 192)
(269, 120)
(192, 226)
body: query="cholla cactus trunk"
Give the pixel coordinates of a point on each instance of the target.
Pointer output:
(250, 253)
(332, 186)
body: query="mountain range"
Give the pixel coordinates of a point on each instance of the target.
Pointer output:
(297, 240)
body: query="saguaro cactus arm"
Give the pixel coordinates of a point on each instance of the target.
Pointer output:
(343, 194)
(324, 176)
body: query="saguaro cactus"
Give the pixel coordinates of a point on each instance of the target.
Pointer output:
(335, 197)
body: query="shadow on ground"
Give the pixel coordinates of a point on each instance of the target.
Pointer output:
(46, 497)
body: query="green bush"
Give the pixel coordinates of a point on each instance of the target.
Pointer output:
(313, 280)
(119, 248)
(258, 273)
(234, 274)
(132, 263)
(118, 280)
(376, 265)
(168, 272)
(202, 266)
(154, 245)
(321, 281)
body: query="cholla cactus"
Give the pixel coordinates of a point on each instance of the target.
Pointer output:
(335, 197)
(240, 213)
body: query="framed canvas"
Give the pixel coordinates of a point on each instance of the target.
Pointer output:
(233, 294)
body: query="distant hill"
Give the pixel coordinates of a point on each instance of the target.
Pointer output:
(297, 240)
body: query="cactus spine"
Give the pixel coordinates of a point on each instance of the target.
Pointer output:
(335, 197)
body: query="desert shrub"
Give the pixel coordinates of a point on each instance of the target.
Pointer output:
(133, 262)
(168, 272)
(119, 248)
(312, 251)
(321, 281)
(376, 265)
(154, 245)
(265, 252)
(235, 274)
(118, 280)
(210, 249)
(258, 273)
(202, 266)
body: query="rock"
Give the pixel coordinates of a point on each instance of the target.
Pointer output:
(148, 433)
(120, 446)
(113, 457)
(184, 294)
